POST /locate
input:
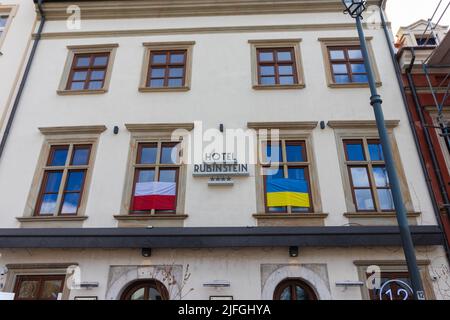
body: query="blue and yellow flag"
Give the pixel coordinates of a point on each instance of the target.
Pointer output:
(287, 192)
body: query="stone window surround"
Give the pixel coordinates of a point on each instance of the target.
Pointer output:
(11, 11)
(58, 136)
(15, 270)
(143, 133)
(175, 45)
(433, 112)
(394, 266)
(342, 42)
(290, 131)
(80, 49)
(367, 129)
(276, 43)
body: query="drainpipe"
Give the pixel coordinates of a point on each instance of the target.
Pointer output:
(398, 74)
(24, 79)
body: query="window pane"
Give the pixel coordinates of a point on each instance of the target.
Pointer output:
(83, 61)
(77, 86)
(267, 80)
(53, 181)
(80, 156)
(340, 68)
(274, 173)
(98, 75)
(28, 289)
(177, 58)
(385, 197)
(355, 54)
(175, 82)
(70, 204)
(75, 181)
(358, 68)
(294, 152)
(100, 61)
(285, 70)
(3, 20)
(360, 78)
(296, 173)
(284, 56)
(138, 294)
(93, 85)
(381, 177)
(364, 199)
(148, 154)
(59, 157)
(169, 154)
(376, 152)
(176, 72)
(79, 76)
(355, 152)
(265, 56)
(158, 72)
(273, 153)
(167, 175)
(154, 294)
(286, 294)
(337, 55)
(360, 177)
(146, 176)
(287, 80)
(267, 70)
(342, 79)
(159, 58)
(48, 204)
(157, 83)
(51, 289)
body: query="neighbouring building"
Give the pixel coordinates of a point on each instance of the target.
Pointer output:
(111, 187)
(424, 60)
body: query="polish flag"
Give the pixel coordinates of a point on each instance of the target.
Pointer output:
(154, 195)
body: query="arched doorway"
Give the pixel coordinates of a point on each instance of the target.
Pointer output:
(145, 290)
(294, 289)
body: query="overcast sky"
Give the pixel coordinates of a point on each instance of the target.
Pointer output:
(405, 12)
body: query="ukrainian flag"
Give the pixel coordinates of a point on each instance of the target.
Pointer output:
(287, 192)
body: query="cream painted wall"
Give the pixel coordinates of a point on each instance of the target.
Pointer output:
(220, 93)
(14, 51)
(241, 267)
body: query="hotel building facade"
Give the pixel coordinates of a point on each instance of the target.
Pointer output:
(123, 93)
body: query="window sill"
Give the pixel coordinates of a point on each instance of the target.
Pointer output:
(51, 218)
(293, 219)
(80, 92)
(351, 85)
(175, 89)
(278, 87)
(379, 214)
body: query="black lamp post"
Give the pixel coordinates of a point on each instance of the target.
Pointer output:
(355, 8)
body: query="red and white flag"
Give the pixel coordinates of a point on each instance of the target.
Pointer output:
(155, 195)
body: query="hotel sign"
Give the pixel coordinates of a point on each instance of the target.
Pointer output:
(220, 167)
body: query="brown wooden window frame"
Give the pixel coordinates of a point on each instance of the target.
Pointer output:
(41, 279)
(347, 61)
(65, 171)
(276, 64)
(167, 66)
(292, 283)
(285, 165)
(368, 164)
(146, 284)
(374, 294)
(157, 167)
(88, 69)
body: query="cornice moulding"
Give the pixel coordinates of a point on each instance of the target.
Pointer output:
(158, 127)
(197, 30)
(360, 124)
(182, 8)
(72, 130)
(303, 125)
